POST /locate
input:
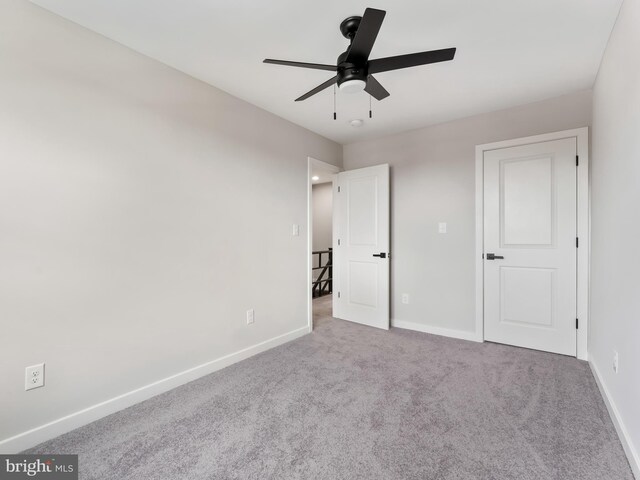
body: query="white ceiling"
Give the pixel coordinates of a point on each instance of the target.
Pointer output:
(510, 52)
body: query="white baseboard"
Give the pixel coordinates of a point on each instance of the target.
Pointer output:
(625, 439)
(70, 422)
(444, 332)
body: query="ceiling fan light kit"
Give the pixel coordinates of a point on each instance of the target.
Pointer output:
(354, 71)
(352, 86)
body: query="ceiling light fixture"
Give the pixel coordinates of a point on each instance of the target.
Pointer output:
(352, 86)
(315, 178)
(356, 123)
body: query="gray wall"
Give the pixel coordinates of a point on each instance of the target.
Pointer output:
(432, 180)
(140, 213)
(322, 216)
(615, 222)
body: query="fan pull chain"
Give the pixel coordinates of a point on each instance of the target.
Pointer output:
(370, 114)
(335, 117)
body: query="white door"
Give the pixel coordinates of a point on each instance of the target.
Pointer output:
(361, 246)
(530, 229)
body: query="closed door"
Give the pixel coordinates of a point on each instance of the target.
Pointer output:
(530, 246)
(361, 246)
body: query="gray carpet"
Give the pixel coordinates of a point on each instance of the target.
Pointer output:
(352, 402)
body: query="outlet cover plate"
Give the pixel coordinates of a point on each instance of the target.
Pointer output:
(34, 376)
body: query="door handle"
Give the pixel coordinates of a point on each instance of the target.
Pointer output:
(381, 255)
(491, 256)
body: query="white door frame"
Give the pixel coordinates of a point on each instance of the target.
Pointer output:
(311, 164)
(581, 136)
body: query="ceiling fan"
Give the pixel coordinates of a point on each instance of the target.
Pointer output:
(354, 70)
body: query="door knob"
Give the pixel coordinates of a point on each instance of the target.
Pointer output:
(491, 256)
(381, 255)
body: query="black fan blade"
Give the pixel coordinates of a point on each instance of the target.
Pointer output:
(411, 60)
(318, 89)
(365, 35)
(374, 89)
(316, 66)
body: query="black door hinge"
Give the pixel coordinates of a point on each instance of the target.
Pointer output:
(576, 324)
(338, 189)
(577, 242)
(338, 294)
(338, 242)
(577, 160)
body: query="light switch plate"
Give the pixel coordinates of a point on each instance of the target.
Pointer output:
(442, 227)
(296, 230)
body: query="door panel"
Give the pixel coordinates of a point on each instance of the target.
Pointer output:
(527, 201)
(361, 196)
(527, 296)
(363, 284)
(361, 213)
(530, 221)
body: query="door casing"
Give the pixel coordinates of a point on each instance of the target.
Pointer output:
(581, 136)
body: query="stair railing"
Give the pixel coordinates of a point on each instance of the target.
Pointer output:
(323, 283)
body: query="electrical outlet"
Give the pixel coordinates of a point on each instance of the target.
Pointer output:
(251, 316)
(296, 230)
(442, 227)
(615, 361)
(405, 298)
(34, 376)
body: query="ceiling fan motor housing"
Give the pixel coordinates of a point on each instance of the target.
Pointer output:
(349, 71)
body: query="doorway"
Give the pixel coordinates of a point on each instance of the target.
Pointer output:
(348, 261)
(533, 221)
(321, 177)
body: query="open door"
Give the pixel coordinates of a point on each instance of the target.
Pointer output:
(361, 246)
